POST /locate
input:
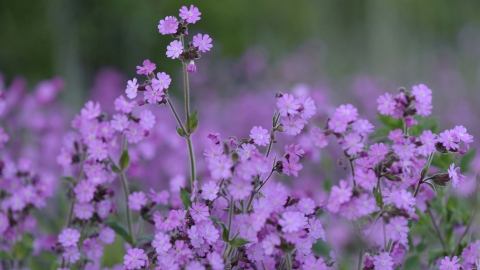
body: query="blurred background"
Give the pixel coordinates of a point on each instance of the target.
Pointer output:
(399, 42)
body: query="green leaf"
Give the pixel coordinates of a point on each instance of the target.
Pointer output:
(114, 168)
(442, 161)
(239, 242)
(144, 238)
(68, 179)
(432, 187)
(180, 132)
(225, 233)
(390, 122)
(467, 159)
(124, 160)
(24, 247)
(434, 254)
(185, 196)
(193, 122)
(120, 230)
(412, 263)
(5, 255)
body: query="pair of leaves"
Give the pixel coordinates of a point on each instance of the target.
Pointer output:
(236, 242)
(124, 162)
(191, 125)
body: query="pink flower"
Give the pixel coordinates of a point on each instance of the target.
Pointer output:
(423, 109)
(69, 237)
(396, 136)
(84, 191)
(347, 112)
(119, 122)
(339, 195)
(245, 151)
(137, 200)
(83, 210)
(292, 221)
(191, 15)
(449, 139)
(213, 152)
(152, 95)
(161, 243)
(98, 150)
(159, 197)
(168, 26)
(195, 237)
(209, 232)
(428, 140)
(292, 125)
(203, 42)
(215, 261)
(307, 107)
(191, 67)
(311, 263)
(362, 127)
(294, 149)
(106, 235)
(199, 211)
(221, 167)
(397, 229)
(319, 137)
(386, 104)
(132, 87)
(450, 264)
(71, 254)
(338, 124)
(174, 49)
(92, 248)
(353, 143)
(147, 119)
(377, 152)
(365, 179)
(260, 135)
(462, 135)
(210, 191)
(162, 81)
(147, 68)
(91, 110)
(383, 261)
(269, 243)
(122, 105)
(240, 189)
(315, 229)
(291, 165)
(103, 208)
(405, 150)
(135, 259)
(454, 174)
(402, 199)
(287, 105)
(134, 133)
(422, 93)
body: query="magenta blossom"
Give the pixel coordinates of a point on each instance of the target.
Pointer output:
(174, 49)
(203, 42)
(168, 26)
(191, 15)
(259, 135)
(147, 68)
(135, 259)
(455, 176)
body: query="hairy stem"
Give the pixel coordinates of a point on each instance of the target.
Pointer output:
(126, 191)
(288, 260)
(179, 122)
(435, 227)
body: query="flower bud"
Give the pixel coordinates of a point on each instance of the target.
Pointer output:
(440, 179)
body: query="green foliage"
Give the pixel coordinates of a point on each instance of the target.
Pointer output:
(124, 161)
(239, 242)
(412, 263)
(467, 159)
(180, 132)
(429, 123)
(192, 122)
(23, 248)
(69, 179)
(185, 196)
(390, 122)
(443, 161)
(120, 230)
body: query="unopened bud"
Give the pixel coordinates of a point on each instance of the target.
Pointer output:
(440, 179)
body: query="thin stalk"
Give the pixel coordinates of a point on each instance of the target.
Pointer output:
(418, 188)
(360, 260)
(72, 204)
(179, 122)
(272, 136)
(192, 161)
(230, 216)
(288, 260)
(250, 201)
(435, 227)
(129, 215)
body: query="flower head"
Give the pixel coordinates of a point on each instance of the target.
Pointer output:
(203, 42)
(174, 49)
(147, 68)
(259, 135)
(69, 237)
(135, 259)
(191, 15)
(132, 87)
(168, 26)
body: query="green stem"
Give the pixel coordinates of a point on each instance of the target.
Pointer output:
(192, 161)
(230, 216)
(129, 215)
(179, 122)
(437, 231)
(288, 260)
(250, 201)
(360, 260)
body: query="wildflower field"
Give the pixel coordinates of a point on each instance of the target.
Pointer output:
(207, 136)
